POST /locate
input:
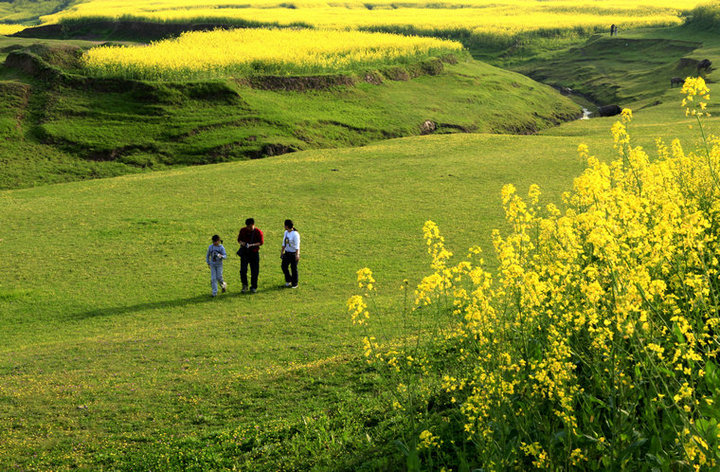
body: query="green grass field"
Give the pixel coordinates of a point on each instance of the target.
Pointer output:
(139, 316)
(113, 356)
(29, 11)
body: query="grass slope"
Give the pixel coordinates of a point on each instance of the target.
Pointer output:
(114, 127)
(632, 69)
(114, 356)
(30, 11)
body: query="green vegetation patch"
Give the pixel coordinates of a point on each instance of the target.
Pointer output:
(118, 357)
(123, 126)
(115, 356)
(30, 11)
(616, 70)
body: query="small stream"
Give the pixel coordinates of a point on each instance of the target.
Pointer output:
(585, 103)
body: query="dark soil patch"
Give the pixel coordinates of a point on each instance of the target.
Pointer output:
(11, 48)
(229, 124)
(396, 73)
(687, 63)
(374, 78)
(428, 67)
(298, 83)
(461, 128)
(248, 148)
(449, 59)
(277, 149)
(103, 155)
(135, 30)
(523, 129)
(361, 131)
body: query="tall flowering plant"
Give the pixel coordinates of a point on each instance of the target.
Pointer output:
(595, 345)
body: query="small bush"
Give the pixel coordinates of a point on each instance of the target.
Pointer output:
(705, 16)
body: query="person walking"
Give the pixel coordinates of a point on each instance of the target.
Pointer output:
(290, 254)
(214, 258)
(250, 239)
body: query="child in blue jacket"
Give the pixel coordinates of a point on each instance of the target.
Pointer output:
(214, 258)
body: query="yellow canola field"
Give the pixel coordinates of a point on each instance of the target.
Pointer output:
(10, 29)
(248, 51)
(503, 16)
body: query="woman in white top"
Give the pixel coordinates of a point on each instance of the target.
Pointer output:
(290, 254)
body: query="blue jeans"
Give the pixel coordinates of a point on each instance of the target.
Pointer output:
(216, 277)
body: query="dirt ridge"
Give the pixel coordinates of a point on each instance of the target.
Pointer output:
(105, 29)
(38, 62)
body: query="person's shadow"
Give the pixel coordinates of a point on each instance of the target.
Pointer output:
(170, 304)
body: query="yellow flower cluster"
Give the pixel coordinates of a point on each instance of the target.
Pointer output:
(10, 29)
(697, 95)
(428, 440)
(441, 279)
(601, 328)
(535, 450)
(365, 279)
(252, 51)
(358, 309)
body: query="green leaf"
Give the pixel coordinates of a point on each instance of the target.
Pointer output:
(678, 334)
(712, 376)
(707, 427)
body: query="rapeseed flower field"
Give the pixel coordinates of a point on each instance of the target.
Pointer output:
(595, 346)
(10, 29)
(506, 17)
(252, 51)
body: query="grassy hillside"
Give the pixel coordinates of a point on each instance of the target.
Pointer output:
(617, 70)
(115, 356)
(115, 126)
(30, 11)
(630, 69)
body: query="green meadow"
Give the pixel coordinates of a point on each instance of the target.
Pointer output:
(73, 127)
(112, 324)
(113, 355)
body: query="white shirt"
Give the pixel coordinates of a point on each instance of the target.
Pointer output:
(291, 241)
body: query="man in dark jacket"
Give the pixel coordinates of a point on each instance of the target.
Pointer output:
(250, 239)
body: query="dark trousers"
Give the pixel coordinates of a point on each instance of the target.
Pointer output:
(252, 259)
(288, 259)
